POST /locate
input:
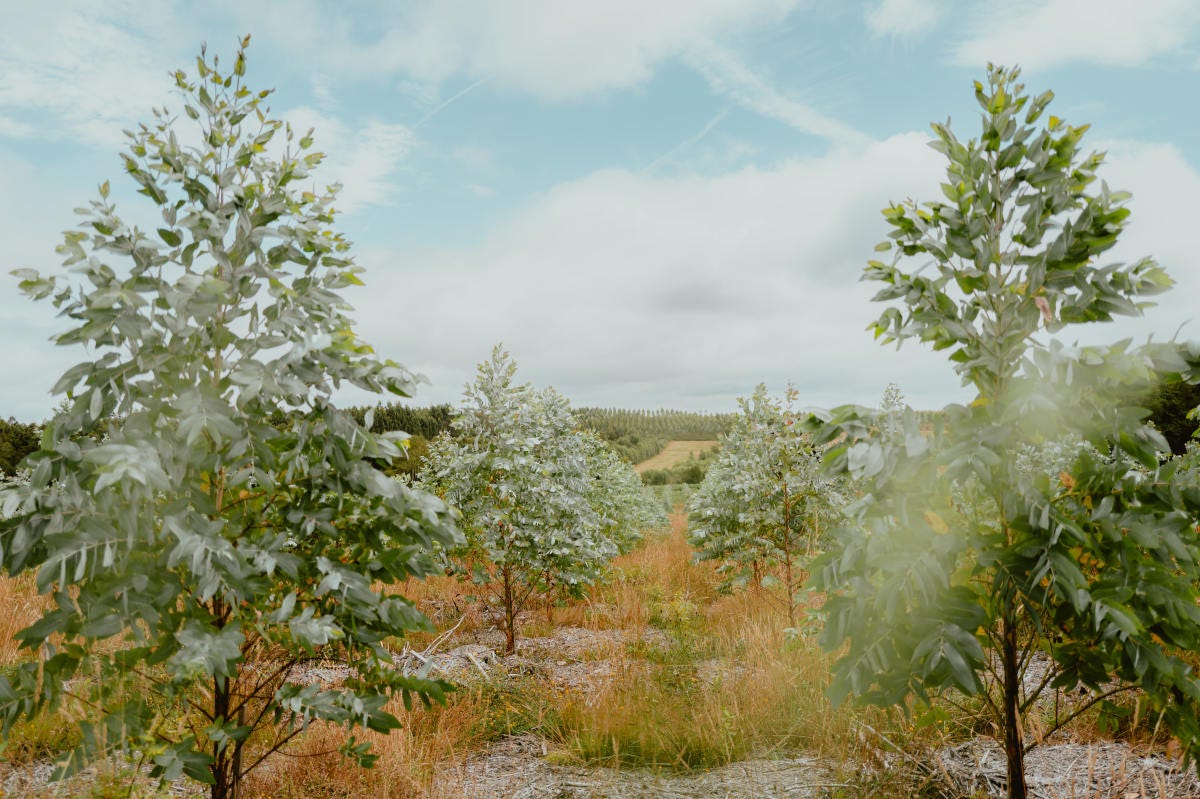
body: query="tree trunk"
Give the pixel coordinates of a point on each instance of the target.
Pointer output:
(788, 545)
(791, 592)
(510, 613)
(223, 782)
(1014, 747)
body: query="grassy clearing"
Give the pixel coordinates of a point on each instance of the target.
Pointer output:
(703, 679)
(728, 683)
(675, 452)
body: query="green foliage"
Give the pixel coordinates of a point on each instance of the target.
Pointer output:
(543, 506)
(428, 422)
(200, 550)
(763, 504)
(933, 585)
(625, 506)
(17, 440)
(1173, 407)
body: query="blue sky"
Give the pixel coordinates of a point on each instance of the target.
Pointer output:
(650, 204)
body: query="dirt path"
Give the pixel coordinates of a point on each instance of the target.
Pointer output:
(516, 768)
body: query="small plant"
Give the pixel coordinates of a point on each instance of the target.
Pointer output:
(45, 736)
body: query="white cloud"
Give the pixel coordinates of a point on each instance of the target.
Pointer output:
(559, 50)
(552, 49)
(92, 68)
(1049, 33)
(904, 17)
(32, 213)
(622, 288)
(15, 129)
(631, 289)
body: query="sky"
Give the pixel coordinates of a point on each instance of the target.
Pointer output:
(649, 204)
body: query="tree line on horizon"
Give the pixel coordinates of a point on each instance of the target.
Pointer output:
(635, 434)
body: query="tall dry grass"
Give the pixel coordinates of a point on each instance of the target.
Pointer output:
(22, 606)
(432, 743)
(732, 681)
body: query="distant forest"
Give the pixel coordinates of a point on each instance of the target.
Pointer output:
(635, 434)
(640, 434)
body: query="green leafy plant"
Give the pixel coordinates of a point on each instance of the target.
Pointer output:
(761, 507)
(204, 517)
(966, 561)
(537, 500)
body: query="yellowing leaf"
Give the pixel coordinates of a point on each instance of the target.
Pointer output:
(1068, 482)
(937, 523)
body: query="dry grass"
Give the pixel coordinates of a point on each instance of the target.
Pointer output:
(432, 742)
(675, 452)
(408, 759)
(22, 607)
(727, 682)
(731, 682)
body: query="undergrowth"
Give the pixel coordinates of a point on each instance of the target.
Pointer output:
(698, 679)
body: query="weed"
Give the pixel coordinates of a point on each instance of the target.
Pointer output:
(42, 737)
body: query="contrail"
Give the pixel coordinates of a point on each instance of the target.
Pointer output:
(683, 145)
(441, 106)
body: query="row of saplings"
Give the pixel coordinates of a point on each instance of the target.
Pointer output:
(197, 554)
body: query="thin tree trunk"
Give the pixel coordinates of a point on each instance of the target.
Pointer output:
(236, 762)
(788, 542)
(510, 615)
(791, 593)
(222, 784)
(1014, 747)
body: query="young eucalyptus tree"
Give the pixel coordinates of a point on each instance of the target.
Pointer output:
(763, 504)
(1093, 566)
(625, 506)
(518, 472)
(196, 549)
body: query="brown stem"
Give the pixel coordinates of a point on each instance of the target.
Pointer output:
(510, 619)
(1014, 749)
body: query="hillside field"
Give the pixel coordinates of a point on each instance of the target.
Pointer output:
(673, 453)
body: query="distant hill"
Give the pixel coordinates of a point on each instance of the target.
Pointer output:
(638, 435)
